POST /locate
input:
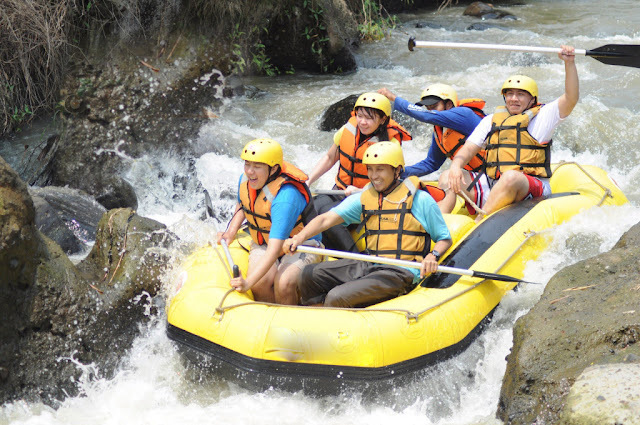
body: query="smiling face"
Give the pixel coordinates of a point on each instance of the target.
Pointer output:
(368, 121)
(257, 173)
(517, 101)
(381, 176)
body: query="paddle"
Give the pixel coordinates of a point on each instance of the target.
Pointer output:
(610, 54)
(404, 263)
(225, 247)
(327, 192)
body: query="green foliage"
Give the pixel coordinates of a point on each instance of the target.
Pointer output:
(316, 32)
(259, 62)
(374, 25)
(20, 116)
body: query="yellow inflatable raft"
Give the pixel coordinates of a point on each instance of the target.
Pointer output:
(321, 349)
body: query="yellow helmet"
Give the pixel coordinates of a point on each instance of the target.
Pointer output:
(389, 153)
(376, 101)
(437, 92)
(263, 150)
(521, 82)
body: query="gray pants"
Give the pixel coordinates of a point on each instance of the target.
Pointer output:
(351, 283)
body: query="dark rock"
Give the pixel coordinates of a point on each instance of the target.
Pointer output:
(56, 315)
(481, 26)
(115, 192)
(487, 11)
(49, 223)
(331, 32)
(336, 115)
(73, 205)
(432, 25)
(553, 343)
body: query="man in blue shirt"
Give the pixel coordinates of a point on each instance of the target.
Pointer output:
(453, 122)
(276, 203)
(399, 220)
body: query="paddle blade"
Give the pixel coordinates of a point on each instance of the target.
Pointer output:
(207, 202)
(499, 277)
(617, 54)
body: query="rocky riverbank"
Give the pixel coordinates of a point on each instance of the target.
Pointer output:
(568, 348)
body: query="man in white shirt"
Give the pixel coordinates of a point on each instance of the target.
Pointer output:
(517, 139)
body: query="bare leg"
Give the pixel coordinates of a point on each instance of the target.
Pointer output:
(286, 284)
(512, 186)
(263, 289)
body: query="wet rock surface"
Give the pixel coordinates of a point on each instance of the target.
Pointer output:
(604, 394)
(588, 315)
(68, 216)
(483, 10)
(60, 319)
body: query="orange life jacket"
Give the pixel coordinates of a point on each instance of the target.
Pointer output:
(450, 141)
(390, 229)
(351, 150)
(511, 147)
(257, 204)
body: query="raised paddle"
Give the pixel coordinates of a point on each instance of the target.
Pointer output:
(610, 54)
(405, 263)
(225, 247)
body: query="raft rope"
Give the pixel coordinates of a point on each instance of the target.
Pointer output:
(415, 316)
(607, 191)
(410, 315)
(473, 204)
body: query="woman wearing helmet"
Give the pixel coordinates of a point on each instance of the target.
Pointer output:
(517, 138)
(276, 204)
(370, 122)
(453, 121)
(400, 221)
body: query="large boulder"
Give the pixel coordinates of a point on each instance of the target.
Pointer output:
(588, 315)
(486, 11)
(604, 394)
(56, 316)
(68, 216)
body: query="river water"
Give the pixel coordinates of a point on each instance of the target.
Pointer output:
(153, 386)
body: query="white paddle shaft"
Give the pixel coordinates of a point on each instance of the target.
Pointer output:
(478, 46)
(375, 259)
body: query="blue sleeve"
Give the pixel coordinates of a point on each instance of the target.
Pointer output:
(285, 209)
(460, 119)
(350, 209)
(426, 211)
(434, 160)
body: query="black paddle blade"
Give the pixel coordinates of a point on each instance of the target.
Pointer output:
(617, 54)
(500, 277)
(412, 43)
(207, 202)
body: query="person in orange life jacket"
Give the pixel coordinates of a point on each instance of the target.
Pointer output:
(399, 220)
(276, 203)
(518, 138)
(370, 122)
(453, 122)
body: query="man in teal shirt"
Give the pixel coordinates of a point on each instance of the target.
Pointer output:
(399, 220)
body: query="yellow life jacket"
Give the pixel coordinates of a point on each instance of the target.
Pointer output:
(257, 204)
(511, 147)
(450, 141)
(390, 229)
(351, 151)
